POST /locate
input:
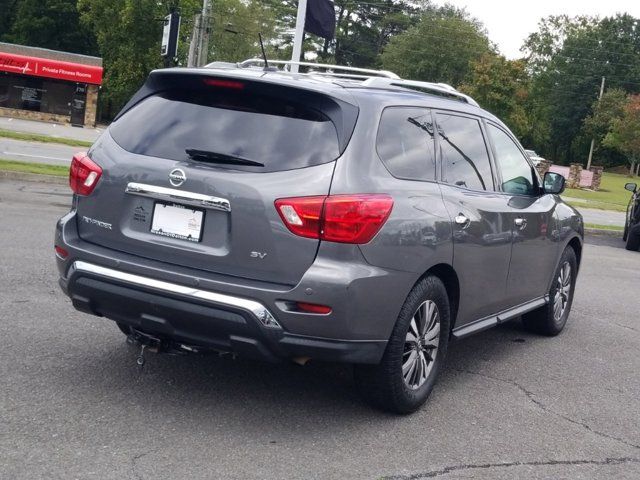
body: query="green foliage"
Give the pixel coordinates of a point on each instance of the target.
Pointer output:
(127, 32)
(625, 130)
(235, 30)
(8, 9)
(501, 86)
(51, 24)
(440, 47)
(567, 58)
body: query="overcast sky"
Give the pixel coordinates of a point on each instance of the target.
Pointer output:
(510, 22)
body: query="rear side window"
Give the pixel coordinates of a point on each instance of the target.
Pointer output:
(405, 143)
(464, 154)
(280, 134)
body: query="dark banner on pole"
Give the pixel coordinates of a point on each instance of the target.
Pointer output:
(321, 18)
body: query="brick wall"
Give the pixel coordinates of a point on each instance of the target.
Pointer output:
(91, 107)
(29, 115)
(573, 180)
(597, 177)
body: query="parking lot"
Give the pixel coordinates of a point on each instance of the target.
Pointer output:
(73, 403)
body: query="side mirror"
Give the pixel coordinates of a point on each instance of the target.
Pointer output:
(553, 183)
(631, 187)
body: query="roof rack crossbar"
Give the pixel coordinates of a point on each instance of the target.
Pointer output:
(330, 70)
(439, 88)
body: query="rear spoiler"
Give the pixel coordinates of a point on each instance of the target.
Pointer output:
(337, 104)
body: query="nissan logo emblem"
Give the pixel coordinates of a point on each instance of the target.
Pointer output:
(177, 177)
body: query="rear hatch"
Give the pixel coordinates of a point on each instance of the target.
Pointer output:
(193, 166)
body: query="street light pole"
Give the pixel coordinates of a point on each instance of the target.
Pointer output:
(593, 140)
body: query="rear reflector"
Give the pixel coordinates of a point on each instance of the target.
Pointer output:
(218, 82)
(61, 252)
(312, 308)
(336, 218)
(84, 174)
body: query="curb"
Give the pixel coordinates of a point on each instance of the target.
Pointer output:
(602, 231)
(33, 177)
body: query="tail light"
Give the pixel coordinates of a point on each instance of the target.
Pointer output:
(84, 174)
(336, 218)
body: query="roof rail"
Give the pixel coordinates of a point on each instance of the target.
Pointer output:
(437, 88)
(329, 69)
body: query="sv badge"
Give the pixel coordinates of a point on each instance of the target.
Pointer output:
(259, 255)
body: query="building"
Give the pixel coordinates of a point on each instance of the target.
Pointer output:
(47, 85)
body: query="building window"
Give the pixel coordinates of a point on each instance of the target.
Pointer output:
(36, 94)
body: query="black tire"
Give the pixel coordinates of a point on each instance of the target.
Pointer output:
(543, 320)
(633, 240)
(384, 385)
(625, 232)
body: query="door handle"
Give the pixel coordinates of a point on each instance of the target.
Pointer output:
(462, 220)
(521, 223)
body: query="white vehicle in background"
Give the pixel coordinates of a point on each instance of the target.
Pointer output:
(535, 158)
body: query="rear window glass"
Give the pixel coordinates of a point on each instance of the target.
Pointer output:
(464, 153)
(278, 133)
(405, 143)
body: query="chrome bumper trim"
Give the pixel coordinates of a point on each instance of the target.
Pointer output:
(259, 311)
(190, 198)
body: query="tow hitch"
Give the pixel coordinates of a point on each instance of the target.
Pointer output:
(150, 343)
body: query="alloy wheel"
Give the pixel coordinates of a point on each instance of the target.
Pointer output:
(421, 345)
(563, 291)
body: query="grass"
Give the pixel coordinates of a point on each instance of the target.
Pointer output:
(613, 228)
(34, 137)
(39, 168)
(611, 196)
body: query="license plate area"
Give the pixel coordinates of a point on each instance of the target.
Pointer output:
(177, 221)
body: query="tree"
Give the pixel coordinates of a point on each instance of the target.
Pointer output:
(567, 59)
(501, 86)
(439, 48)
(51, 24)
(600, 121)
(236, 25)
(625, 132)
(8, 9)
(128, 34)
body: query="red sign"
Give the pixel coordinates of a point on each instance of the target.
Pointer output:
(42, 67)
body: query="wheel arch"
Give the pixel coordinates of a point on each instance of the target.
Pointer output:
(576, 244)
(449, 277)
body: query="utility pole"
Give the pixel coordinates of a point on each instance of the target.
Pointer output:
(199, 46)
(299, 35)
(192, 61)
(206, 30)
(593, 140)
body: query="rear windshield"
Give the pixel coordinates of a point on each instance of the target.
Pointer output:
(280, 134)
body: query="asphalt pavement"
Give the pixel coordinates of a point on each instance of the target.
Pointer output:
(51, 129)
(510, 404)
(37, 152)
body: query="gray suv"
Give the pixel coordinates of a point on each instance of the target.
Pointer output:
(334, 215)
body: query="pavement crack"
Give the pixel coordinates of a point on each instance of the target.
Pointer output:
(134, 464)
(455, 468)
(531, 396)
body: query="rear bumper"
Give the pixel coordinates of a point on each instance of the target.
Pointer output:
(198, 317)
(227, 314)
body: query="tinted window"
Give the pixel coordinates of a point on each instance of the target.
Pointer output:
(405, 143)
(517, 174)
(464, 153)
(276, 132)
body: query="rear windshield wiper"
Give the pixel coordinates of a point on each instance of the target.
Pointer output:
(213, 157)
